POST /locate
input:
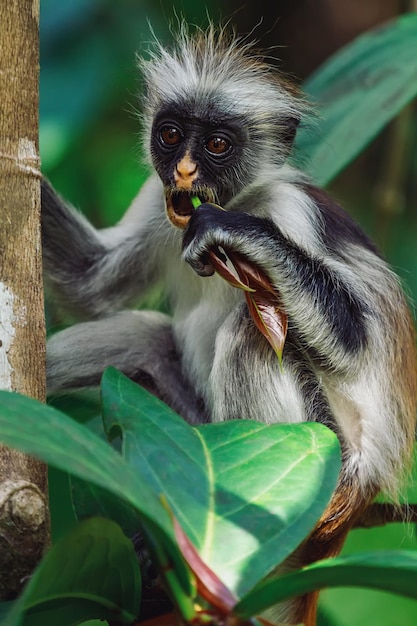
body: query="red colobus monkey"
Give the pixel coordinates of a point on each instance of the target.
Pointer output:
(219, 124)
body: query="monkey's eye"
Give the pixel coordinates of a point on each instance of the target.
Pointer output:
(217, 145)
(170, 135)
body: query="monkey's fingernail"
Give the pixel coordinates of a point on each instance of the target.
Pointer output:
(204, 269)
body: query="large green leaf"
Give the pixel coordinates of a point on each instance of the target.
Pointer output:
(245, 493)
(72, 497)
(394, 571)
(46, 433)
(92, 572)
(90, 500)
(356, 93)
(54, 437)
(63, 518)
(6, 614)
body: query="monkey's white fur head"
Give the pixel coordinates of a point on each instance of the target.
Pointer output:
(218, 67)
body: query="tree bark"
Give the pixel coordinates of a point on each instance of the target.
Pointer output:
(24, 517)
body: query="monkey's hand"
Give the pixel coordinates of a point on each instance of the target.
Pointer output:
(211, 230)
(262, 299)
(325, 306)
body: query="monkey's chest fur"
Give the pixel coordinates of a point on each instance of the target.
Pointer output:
(228, 361)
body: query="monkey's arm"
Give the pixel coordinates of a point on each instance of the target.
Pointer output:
(321, 297)
(138, 343)
(97, 271)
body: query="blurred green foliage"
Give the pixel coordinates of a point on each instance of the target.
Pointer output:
(89, 92)
(90, 149)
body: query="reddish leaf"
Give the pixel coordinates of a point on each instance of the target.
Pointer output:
(262, 299)
(209, 586)
(270, 320)
(250, 274)
(221, 268)
(169, 619)
(265, 622)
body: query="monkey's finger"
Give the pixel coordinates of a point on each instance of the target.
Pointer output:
(200, 264)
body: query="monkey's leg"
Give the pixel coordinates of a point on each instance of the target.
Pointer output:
(139, 343)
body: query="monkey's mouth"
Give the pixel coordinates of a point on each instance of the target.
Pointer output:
(179, 207)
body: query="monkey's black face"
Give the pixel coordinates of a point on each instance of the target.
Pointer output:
(197, 153)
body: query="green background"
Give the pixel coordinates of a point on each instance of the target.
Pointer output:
(89, 143)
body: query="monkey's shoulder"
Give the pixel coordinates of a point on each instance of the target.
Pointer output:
(298, 207)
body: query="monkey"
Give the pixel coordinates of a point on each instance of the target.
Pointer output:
(219, 122)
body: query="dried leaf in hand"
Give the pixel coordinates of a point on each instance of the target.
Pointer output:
(261, 297)
(225, 272)
(270, 320)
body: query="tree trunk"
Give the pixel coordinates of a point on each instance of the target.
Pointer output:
(24, 518)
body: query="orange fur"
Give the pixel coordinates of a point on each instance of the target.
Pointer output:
(329, 536)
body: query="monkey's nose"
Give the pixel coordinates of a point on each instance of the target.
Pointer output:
(185, 172)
